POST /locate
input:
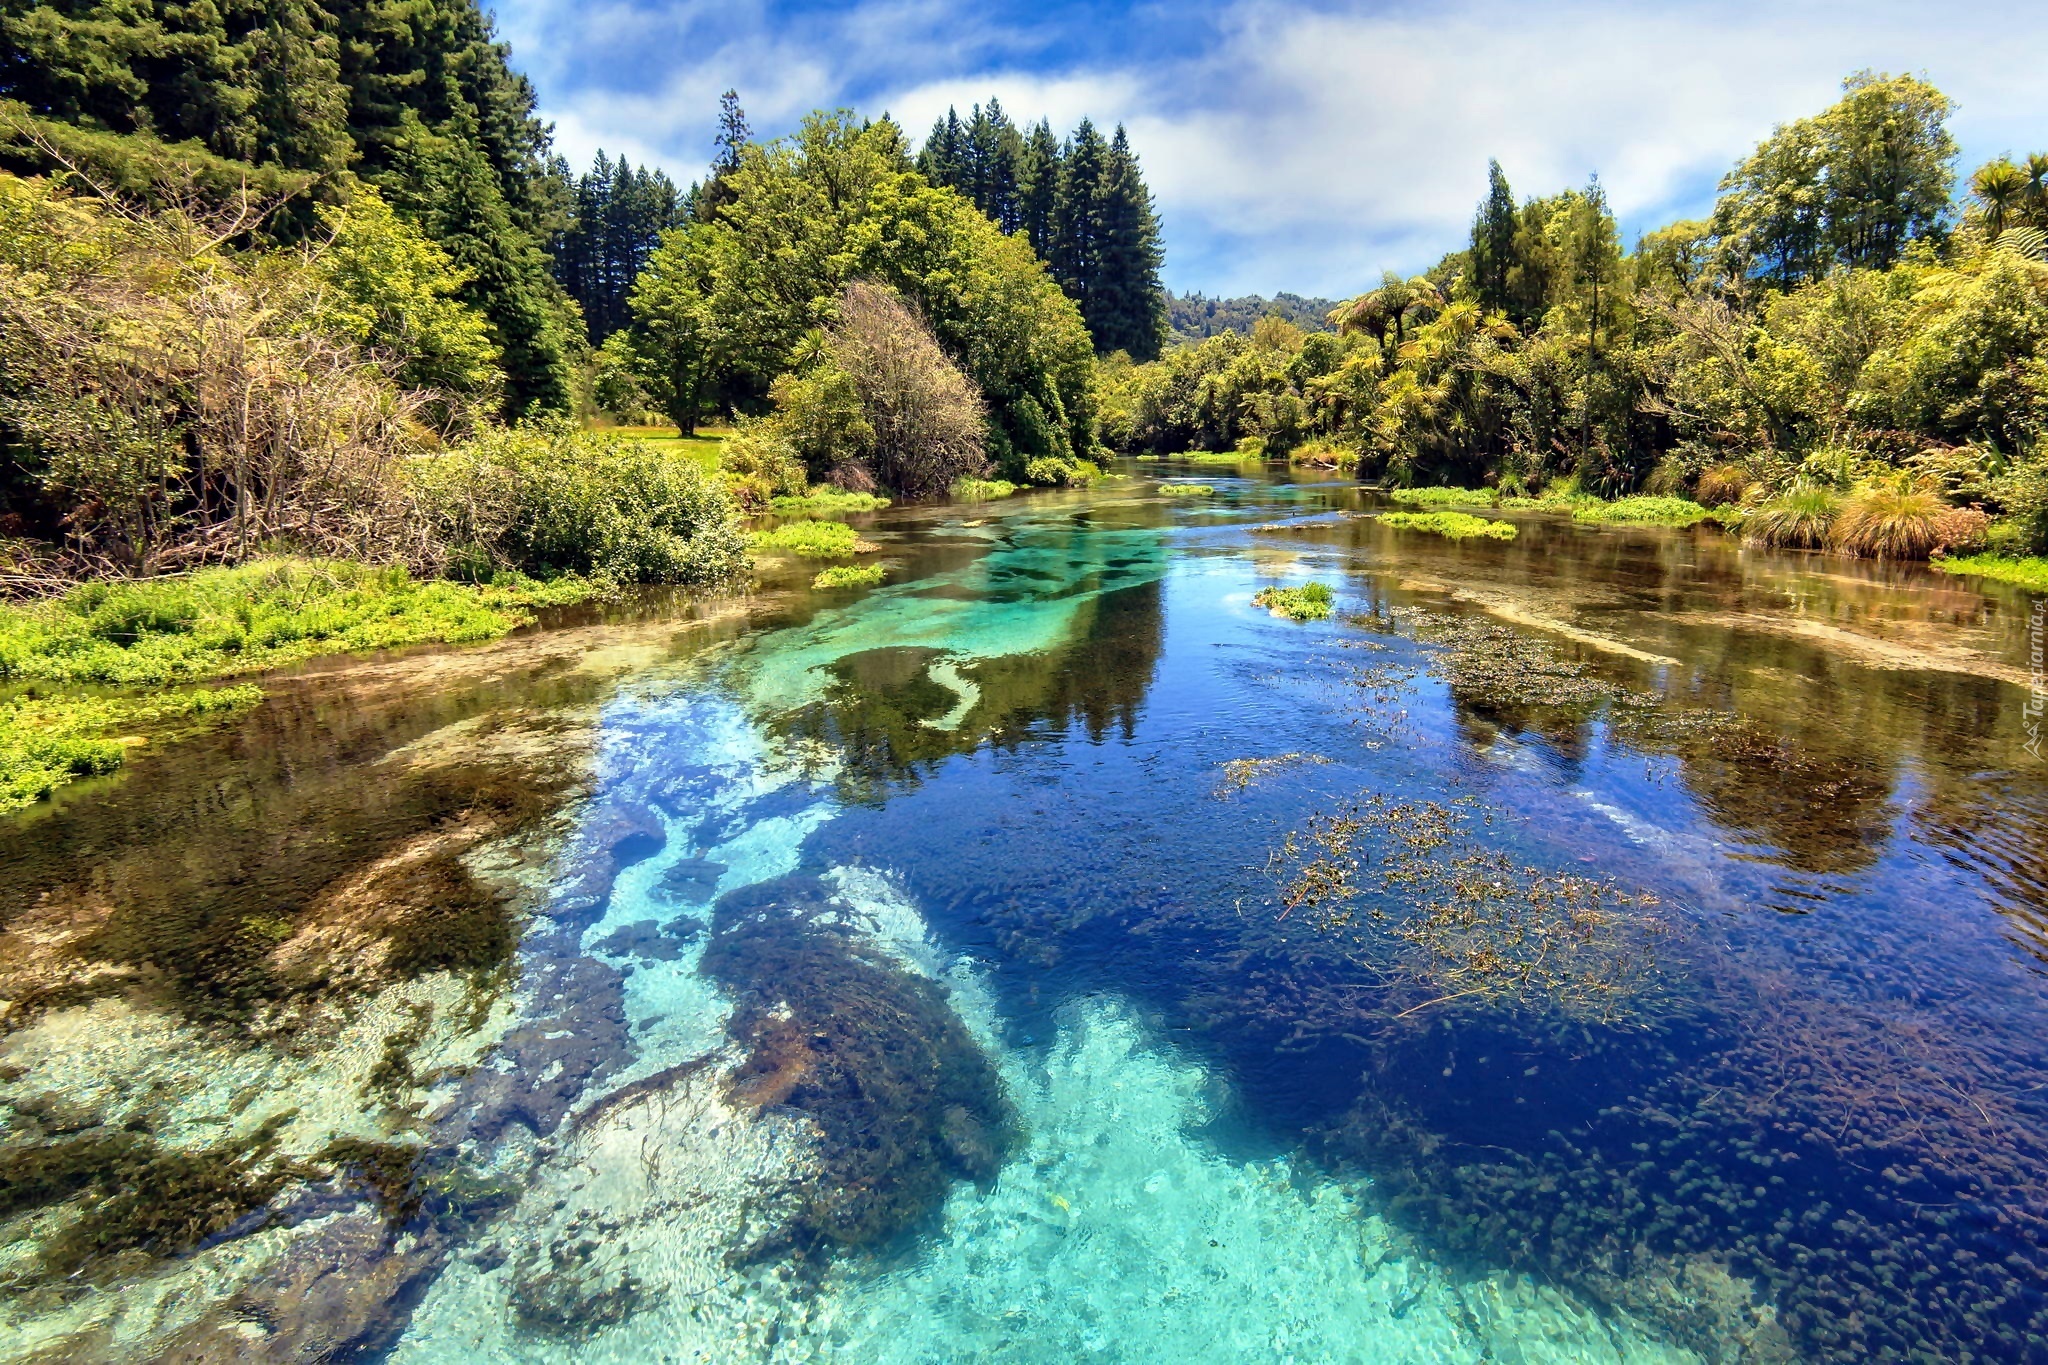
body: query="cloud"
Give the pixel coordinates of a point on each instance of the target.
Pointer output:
(1297, 146)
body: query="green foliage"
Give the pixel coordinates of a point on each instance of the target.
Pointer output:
(222, 622)
(549, 499)
(981, 490)
(1643, 511)
(849, 576)
(1186, 490)
(1194, 317)
(1444, 497)
(49, 741)
(617, 217)
(2026, 571)
(808, 540)
(1454, 525)
(828, 501)
(1890, 521)
(1801, 518)
(729, 305)
(1309, 602)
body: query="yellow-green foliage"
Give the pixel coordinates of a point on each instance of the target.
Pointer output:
(1309, 602)
(1890, 522)
(1186, 490)
(46, 742)
(809, 540)
(848, 576)
(1801, 519)
(1642, 511)
(981, 490)
(826, 500)
(219, 622)
(2026, 571)
(1444, 497)
(1455, 525)
(1323, 455)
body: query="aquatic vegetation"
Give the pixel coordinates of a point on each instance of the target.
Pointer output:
(1323, 455)
(1453, 525)
(1244, 454)
(981, 490)
(1470, 921)
(222, 622)
(2026, 571)
(1309, 602)
(810, 540)
(1239, 773)
(1186, 490)
(904, 1100)
(1801, 519)
(825, 500)
(1438, 496)
(849, 576)
(1890, 521)
(1642, 511)
(48, 741)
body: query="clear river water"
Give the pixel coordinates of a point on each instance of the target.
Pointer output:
(1609, 945)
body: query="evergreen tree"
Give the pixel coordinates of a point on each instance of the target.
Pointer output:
(620, 215)
(1493, 243)
(1076, 255)
(1131, 304)
(943, 159)
(1038, 188)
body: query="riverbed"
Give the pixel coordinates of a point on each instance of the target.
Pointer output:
(1605, 945)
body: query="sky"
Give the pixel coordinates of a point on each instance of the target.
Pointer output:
(1294, 146)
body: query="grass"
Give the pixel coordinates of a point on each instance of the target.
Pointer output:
(1890, 523)
(1309, 602)
(2026, 571)
(1801, 519)
(1186, 490)
(221, 622)
(1642, 511)
(1437, 497)
(1229, 457)
(1454, 525)
(828, 501)
(703, 447)
(47, 742)
(981, 490)
(810, 540)
(848, 576)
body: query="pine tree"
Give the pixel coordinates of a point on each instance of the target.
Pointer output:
(1077, 220)
(1493, 243)
(943, 159)
(1131, 304)
(1038, 188)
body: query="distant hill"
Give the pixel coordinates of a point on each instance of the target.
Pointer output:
(1192, 317)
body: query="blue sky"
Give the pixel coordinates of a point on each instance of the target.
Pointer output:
(1302, 146)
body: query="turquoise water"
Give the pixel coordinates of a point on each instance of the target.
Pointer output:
(953, 972)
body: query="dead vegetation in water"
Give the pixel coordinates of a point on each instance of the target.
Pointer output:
(1409, 881)
(1240, 773)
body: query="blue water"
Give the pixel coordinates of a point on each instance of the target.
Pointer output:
(988, 803)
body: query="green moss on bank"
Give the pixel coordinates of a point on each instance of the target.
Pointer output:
(1643, 511)
(1454, 525)
(1444, 497)
(2026, 571)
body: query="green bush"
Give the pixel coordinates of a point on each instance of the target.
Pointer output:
(1642, 511)
(849, 576)
(549, 499)
(1309, 602)
(1455, 525)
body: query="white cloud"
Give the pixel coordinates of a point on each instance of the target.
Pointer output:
(1308, 146)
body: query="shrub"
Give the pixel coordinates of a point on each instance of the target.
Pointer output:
(1642, 511)
(1964, 530)
(1323, 455)
(926, 417)
(1800, 519)
(1455, 525)
(1309, 602)
(848, 576)
(761, 465)
(546, 498)
(1890, 522)
(1721, 485)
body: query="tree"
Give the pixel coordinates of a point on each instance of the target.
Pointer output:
(1131, 304)
(1493, 243)
(1038, 194)
(620, 215)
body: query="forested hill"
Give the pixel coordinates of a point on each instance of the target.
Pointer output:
(415, 96)
(1196, 317)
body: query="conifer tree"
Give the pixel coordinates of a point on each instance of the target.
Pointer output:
(1038, 188)
(1493, 243)
(1131, 310)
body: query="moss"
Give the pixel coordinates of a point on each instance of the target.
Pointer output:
(450, 922)
(849, 576)
(1453, 525)
(48, 741)
(1309, 602)
(905, 1102)
(809, 540)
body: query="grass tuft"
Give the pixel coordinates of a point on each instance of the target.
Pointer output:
(828, 501)
(1890, 523)
(981, 490)
(1801, 519)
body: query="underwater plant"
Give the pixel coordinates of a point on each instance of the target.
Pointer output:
(1186, 490)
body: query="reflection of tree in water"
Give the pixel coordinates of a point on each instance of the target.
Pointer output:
(894, 713)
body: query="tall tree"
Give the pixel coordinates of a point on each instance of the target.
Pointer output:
(1038, 192)
(1493, 243)
(1130, 313)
